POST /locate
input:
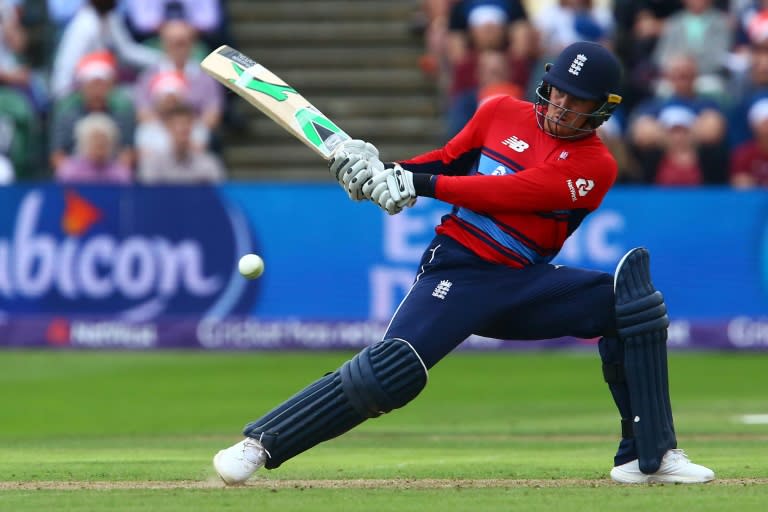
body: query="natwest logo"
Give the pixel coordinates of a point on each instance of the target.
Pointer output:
(101, 334)
(582, 188)
(79, 257)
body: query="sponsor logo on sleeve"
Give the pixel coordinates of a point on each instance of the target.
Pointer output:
(584, 186)
(580, 188)
(572, 190)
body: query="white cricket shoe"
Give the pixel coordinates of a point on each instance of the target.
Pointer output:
(675, 468)
(237, 463)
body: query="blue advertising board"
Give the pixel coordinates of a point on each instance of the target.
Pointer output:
(159, 264)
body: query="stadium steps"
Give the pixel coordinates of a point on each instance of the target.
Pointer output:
(320, 47)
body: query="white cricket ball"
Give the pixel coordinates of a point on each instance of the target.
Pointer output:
(251, 266)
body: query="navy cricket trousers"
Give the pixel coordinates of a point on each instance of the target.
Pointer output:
(457, 294)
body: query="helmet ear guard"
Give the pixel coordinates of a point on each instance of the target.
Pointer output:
(611, 103)
(603, 113)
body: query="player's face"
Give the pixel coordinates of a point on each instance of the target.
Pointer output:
(564, 117)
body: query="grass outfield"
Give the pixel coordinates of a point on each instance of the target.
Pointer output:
(136, 431)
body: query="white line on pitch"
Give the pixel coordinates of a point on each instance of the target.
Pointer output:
(754, 419)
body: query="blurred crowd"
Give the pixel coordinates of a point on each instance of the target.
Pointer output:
(695, 92)
(110, 91)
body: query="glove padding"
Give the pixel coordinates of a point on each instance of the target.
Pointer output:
(353, 163)
(392, 189)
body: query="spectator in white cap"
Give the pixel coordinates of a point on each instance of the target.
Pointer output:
(746, 88)
(487, 26)
(647, 136)
(680, 163)
(678, 87)
(476, 26)
(677, 116)
(749, 161)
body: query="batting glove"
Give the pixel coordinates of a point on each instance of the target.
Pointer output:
(353, 163)
(392, 189)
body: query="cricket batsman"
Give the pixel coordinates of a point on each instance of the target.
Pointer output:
(521, 177)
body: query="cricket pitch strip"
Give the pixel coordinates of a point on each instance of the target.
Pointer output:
(425, 483)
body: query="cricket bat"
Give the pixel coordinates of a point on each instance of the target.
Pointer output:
(278, 100)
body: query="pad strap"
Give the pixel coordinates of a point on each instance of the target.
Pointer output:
(626, 429)
(613, 372)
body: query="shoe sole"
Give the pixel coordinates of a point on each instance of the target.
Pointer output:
(656, 479)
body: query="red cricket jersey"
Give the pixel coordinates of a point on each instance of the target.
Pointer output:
(518, 192)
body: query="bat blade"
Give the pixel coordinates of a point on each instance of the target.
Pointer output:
(275, 98)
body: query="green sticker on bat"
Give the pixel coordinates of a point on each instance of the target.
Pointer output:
(275, 91)
(320, 130)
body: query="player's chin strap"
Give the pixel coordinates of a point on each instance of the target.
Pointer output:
(382, 377)
(642, 321)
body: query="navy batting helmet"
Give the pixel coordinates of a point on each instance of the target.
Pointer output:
(584, 70)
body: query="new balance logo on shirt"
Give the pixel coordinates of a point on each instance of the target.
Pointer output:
(516, 144)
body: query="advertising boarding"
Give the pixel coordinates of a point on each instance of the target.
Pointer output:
(141, 268)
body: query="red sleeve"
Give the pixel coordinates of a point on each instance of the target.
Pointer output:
(461, 152)
(580, 182)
